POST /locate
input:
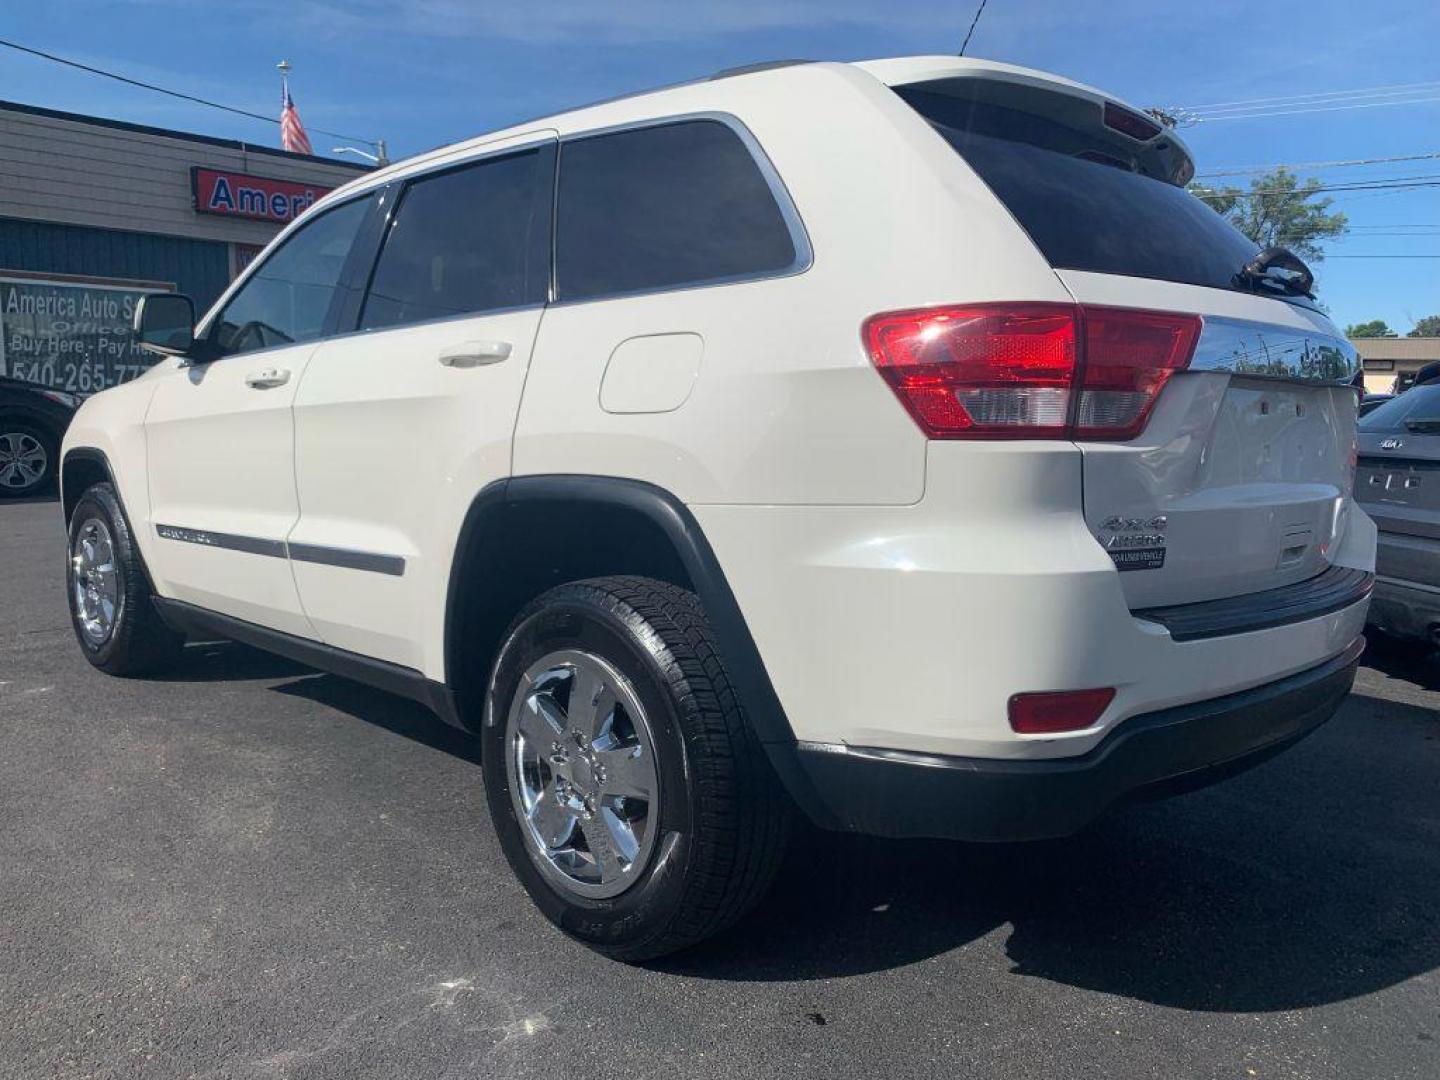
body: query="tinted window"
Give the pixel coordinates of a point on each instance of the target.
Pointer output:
(289, 295)
(1087, 212)
(473, 239)
(661, 207)
(1417, 403)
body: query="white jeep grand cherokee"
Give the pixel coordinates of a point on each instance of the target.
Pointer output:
(896, 441)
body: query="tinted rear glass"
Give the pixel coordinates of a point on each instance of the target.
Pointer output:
(1086, 212)
(1417, 403)
(664, 207)
(473, 239)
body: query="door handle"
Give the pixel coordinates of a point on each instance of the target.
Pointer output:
(474, 353)
(266, 378)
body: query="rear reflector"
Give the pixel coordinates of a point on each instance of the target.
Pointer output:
(1029, 371)
(1051, 713)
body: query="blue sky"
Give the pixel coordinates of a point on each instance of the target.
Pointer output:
(422, 73)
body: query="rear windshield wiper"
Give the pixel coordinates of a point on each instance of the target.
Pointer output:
(1423, 425)
(1278, 269)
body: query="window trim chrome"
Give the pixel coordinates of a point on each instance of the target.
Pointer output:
(388, 189)
(799, 236)
(1261, 350)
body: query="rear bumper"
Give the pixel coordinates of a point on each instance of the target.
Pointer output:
(902, 794)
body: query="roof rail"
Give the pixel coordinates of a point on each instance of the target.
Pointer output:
(747, 69)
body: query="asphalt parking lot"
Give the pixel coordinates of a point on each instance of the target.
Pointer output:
(253, 870)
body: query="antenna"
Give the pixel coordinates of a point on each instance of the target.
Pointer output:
(973, 22)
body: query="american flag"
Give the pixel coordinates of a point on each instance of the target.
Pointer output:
(292, 131)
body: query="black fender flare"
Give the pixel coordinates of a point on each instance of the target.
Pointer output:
(675, 521)
(89, 453)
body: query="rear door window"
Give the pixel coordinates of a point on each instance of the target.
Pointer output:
(664, 207)
(465, 241)
(1081, 199)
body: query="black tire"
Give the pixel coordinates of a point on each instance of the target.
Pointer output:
(139, 642)
(724, 819)
(21, 426)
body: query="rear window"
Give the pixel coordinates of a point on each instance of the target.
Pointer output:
(1080, 198)
(664, 207)
(1418, 403)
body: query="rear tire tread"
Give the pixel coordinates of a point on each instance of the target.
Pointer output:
(742, 816)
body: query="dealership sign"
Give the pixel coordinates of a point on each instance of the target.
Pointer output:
(71, 333)
(260, 198)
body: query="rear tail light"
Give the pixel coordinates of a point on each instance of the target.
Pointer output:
(1052, 713)
(1029, 371)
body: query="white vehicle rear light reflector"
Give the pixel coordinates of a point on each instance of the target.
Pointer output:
(1052, 713)
(1028, 371)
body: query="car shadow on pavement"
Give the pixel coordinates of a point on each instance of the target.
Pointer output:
(1277, 890)
(1415, 662)
(1261, 898)
(226, 661)
(51, 496)
(394, 714)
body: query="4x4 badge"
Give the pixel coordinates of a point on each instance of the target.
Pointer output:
(1135, 543)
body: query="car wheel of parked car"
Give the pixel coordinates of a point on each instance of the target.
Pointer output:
(119, 630)
(629, 793)
(28, 452)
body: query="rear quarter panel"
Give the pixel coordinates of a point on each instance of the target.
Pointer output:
(786, 408)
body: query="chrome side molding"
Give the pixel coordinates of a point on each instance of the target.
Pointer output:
(392, 565)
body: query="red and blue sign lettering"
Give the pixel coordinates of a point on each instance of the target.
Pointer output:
(260, 198)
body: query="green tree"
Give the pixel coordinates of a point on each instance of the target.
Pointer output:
(1278, 211)
(1429, 326)
(1373, 328)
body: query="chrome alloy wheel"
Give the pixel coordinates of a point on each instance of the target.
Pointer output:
(583, 782)
(95, 580)
(22, 460)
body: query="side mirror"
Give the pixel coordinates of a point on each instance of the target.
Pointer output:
(165, 323)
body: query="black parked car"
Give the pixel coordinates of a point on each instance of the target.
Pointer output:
(33, 420)
(1398, 483)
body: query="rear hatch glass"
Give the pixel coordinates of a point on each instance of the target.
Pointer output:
(1090, 198)
(1240, 481)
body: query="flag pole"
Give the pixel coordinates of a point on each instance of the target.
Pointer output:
(285, 67)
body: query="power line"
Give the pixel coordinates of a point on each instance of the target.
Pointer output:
(1382, 256)
(1305, 112)
(973, 22)
(172, 93)
(1421, 181)
(1245, 170)
(1317, 102)
(1291, 98)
